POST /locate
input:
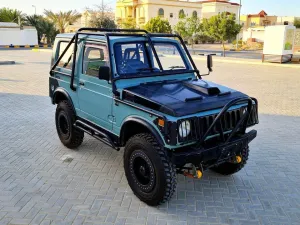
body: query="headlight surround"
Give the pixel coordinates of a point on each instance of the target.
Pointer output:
(184, 129)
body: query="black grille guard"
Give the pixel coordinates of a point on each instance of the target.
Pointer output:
(222, 150)
(241, 125)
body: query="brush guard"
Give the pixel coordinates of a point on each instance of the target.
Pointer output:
(203, 155)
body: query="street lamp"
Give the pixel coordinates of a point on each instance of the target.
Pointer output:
(34, 9)
(237, 37)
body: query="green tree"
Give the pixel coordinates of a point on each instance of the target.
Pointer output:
(181, 14)
(43, 27)
(195, 14)
(158, 25)
(49, 30)
(222, 27)
(189, 29)
(35, 22)
(297, 23)
(12, 15)
(129, 23)
(62, 19)
(102, 22)
(101, 18)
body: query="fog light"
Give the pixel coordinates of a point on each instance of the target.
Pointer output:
(238, 159)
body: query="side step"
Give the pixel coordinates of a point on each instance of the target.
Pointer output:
(95, 133)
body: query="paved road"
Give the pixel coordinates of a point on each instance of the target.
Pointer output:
(37, 186)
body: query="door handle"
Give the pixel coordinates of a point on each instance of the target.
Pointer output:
(81, 83)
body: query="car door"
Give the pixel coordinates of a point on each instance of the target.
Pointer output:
(95, 95)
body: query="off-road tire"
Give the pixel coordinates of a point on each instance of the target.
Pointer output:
(163, 170)
(70, 136)
(229, 168)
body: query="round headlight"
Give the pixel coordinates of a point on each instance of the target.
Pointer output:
(184, 129)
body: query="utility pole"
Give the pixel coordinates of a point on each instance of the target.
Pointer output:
(34, 9)
(237, 37)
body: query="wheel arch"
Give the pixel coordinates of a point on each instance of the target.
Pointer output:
(140, 126)
(61, 94)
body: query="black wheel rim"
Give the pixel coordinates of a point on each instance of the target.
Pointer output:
(63, 125)
(142, 171)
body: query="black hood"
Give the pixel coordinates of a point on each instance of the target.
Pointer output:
(180, 98)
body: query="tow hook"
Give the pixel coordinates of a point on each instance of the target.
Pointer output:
(195, 173)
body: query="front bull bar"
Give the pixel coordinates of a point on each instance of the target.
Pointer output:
(230, 145)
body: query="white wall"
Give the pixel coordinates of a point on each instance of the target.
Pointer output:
(282, 19)
(13, 36)
(259, 35)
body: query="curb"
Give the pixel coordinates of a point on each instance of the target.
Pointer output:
(25, 46)
(7, 62)
(239, 61)
(41, 50)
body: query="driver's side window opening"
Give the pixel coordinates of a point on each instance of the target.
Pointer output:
(94, 57)
(67, 60)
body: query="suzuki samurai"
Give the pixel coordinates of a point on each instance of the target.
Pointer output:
(142, 91)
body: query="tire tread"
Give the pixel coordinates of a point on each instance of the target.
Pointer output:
(76, 134)
(169, 167)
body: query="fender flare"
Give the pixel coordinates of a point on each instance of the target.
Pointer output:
(144, 123)
(62, 91)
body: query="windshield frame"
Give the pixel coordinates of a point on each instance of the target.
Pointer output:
(118, 76)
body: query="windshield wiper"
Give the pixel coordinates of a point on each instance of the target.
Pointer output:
(176, 67)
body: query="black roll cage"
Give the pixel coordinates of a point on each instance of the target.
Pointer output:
(117, 32)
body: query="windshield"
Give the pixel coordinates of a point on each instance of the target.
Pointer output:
(138, 59)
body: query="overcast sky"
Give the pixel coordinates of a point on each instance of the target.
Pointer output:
(272, 7)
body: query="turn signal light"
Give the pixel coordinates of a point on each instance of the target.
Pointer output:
(161, 122)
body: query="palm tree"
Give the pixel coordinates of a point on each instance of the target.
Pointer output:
(62, 19)
(35, 22)
(43, 27)
(11, 15)
(50, 31)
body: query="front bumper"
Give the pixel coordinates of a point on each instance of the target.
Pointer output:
(210, 156)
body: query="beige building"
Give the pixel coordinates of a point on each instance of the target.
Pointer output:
(262, 19)
(143, 10)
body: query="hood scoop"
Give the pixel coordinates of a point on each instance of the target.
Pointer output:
(203, 88)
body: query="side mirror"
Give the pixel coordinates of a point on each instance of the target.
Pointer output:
(104, 73)
(209, 63)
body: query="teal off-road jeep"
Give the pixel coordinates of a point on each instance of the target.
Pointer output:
(142, 91)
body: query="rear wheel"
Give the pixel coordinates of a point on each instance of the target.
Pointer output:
(229, 168)
(65, 117)
(150, 173)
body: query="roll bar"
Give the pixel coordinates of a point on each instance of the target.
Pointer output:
(117, 32)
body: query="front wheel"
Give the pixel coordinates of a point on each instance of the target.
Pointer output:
(150, 173)
(229, 168)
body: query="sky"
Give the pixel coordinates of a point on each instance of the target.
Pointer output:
(272, 7)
